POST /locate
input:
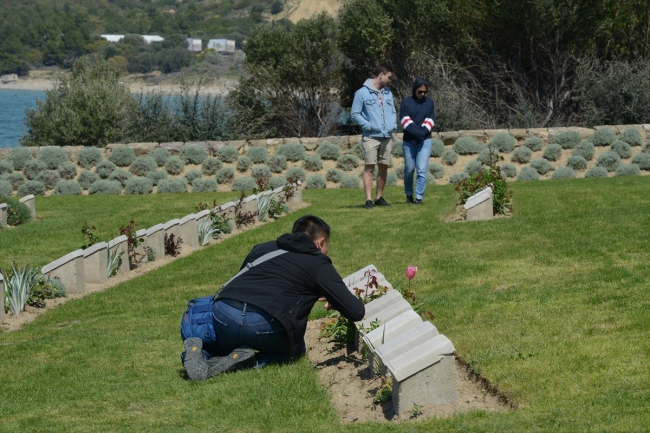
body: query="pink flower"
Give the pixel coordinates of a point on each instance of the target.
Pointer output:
(411, 271)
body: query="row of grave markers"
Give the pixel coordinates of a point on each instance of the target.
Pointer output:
(91, 265)
(420, 360)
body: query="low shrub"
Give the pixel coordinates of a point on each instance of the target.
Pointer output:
(315, 181)
(622, 148)
(277, 182)
(534, 143)
(5, 189)
(143, 165)
(522, 155)
(89, 157)
(67, 170)
(292, 151)
(334, 175)
(33, 167)
(398, 149)
(457, 177)
(487, 177)
(603, 137)
(68, 187)
(632, 136)
(49, 178)
(399, 172)
(19, 156)
(296, 173)
(243, 163)
(193, 154)
(210, 166)
(245, 183)
(122, 156)
(552, 152)
(140, 185)
(541, 165)
(157, 176)
(87, 178)
(449, 157)
(508, 170)
(160, 155)
(437, 147)
(227, 154)
(53, 156)
(204, 185)
(349, 182)
(347, 162)
(17, 213)
(577, 162)
(171, 186)
(596, 172)
(105, 168)
(391, 178)
(646, 148)
(120, 175)
(225, 175)
(563, 173)
(174, 165)
(430, 179)
(528, 173)
(313, 162)
(6, 167)
(437, 170)
(357, 150)
(503, 141)
(628, 170)
(467, 146)
(193, 174)
(609, 160)
(277, 163)
(103, 186)
(16, 179)
(329, 151)
(258, 154)
(642, 160)
(585, 149)
(263, 171)
(568, 139)
(488, 154)
(473, 167)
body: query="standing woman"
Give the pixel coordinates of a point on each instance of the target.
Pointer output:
(417, 113)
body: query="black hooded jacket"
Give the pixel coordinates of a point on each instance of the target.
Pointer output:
(417, 116)
(288, 286)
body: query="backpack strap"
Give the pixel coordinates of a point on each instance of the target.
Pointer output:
(262, 259)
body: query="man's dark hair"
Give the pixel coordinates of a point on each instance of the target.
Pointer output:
(382, 67)
(312, 226)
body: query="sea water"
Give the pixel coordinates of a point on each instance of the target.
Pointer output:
(12, 114)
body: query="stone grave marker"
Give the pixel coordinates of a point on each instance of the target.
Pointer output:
(28, 201)
(96, 263)
(119, 245)
(188, 231)
(3, 214)
(156, 240)
(70, 270)
(479, 206)
(2, 297)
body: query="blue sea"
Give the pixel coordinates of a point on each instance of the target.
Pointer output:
(12, 114)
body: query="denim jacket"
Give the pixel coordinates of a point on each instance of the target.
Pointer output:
(377, 120)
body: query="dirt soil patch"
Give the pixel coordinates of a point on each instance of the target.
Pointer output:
(352, 385)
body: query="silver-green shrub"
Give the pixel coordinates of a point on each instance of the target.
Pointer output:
(449, 157)
(157, 175)
(563, 173)
(243, 163)
(67, 170)
(329, 151)
(277, 163)
(31, 187)
(33, 167)
(315, 181)
(227, 154)
(292, 151)
(277, 182)
(225, 175)
(488, 154)
(140, 185)
(16, 179)
(609, 160)
(552, 152)
(52, 156)
(473, 167)
(5, 188)
(398, 149)
(622, 148)
(160, 155)
(174, 165)
(120, 175)
(577, 162)
(528, 173)
(122, 156)
(334, 175)
(603, 137)
(642, 160)
(170, 186)
(296, 173)
(19, 156)
(103, 186)
(437, 147)
(143, 165)
(49, 178)
(522, 155)
(349, 182)
(89, 157)
(568, 139)
(534, 143)
(628, 170)
(204, 185)
(437, 170)
(457, 177)
(391, 178)
(541, 165)
(503, 141)
(313, 162)
(258, 154)
(508, 170)
(399, 172)
(68, 187)
(596, 172)
(263, 171)
(6, 167)
(467, 146)
(646, 147)
(245, 183)
(193, 154)
(193, 174)
(105, 168)
(632, 136)
(347, 162)
(87, 178)
(356, 150)
(585, 149)
(210, 166)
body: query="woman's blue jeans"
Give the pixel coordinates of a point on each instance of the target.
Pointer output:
(235, 327)
(416, 159)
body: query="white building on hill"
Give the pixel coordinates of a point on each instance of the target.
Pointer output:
(223, 46)
(148, 38)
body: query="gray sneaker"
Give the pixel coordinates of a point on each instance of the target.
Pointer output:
(195, 365)
(241, 357)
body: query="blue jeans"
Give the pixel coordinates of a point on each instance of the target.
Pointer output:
(235, 327)
(416, 159)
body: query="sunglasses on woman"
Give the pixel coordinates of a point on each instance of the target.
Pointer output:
(422, 92)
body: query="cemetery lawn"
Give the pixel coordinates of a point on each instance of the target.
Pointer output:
(551, 305)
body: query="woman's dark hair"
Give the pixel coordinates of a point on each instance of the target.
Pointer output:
(312, 226)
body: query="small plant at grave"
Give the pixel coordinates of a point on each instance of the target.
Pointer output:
(205, 231)
(489, 176)
(113, 259)
(416, 411)
(290, 189)
(385, 391)
(370, 289)
(243, 218)
(172, 245)
(88, 236)
(151, 254)
(132, 242)
(19, 283)
(337, 328)
(17, 212)
(219, 220)
(45, 288)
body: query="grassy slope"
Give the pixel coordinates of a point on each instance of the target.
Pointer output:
(551, 305)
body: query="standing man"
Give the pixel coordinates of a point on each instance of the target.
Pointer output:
(374, 110)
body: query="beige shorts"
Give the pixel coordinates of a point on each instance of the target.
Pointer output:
(376, 151)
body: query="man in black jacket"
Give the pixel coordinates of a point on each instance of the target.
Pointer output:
(266, 308)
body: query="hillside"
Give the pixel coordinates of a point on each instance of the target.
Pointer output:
(297, 10)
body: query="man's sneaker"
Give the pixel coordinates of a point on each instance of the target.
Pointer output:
(409, 199)
(381, 202)
(418, 201)
(368, 204)
(239, 358)
(195, 365)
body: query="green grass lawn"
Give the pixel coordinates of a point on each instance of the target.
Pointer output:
(552, 306)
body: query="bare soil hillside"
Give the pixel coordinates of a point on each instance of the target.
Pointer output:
(299, 9)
